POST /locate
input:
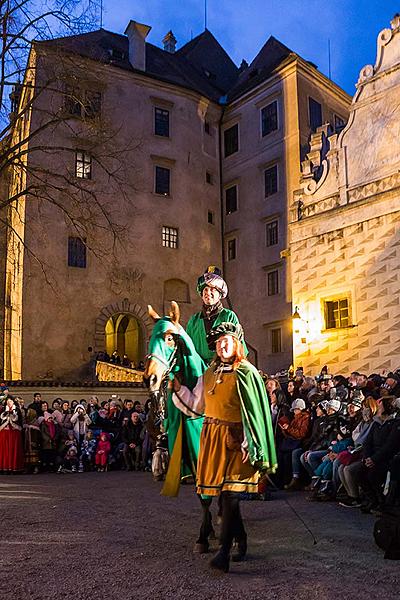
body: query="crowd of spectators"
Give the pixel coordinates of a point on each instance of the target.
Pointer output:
(73, 437)
(337, 437)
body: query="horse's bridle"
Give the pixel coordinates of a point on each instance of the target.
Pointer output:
(159, 397)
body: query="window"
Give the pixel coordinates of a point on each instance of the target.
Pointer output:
(269, 118)
(207, 127)
(163, 181)
(231, 140)
(210, 217)
(339, 123)
(169, 237)
(77, 252)
(315, 110)
(231, 249)
(161, 122)
(271, 231)
(273, 283)
(208, 177)
(83, 165)
(82, 103)
(276, 341)
(231, 200)
(271, 180)
(337, 313)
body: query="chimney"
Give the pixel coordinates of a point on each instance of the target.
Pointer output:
(137, 33)
(169, 42)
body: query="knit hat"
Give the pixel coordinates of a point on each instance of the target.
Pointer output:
(212, 278)
(233, 329)
(298, 403)
(335, 404)
(323, 405)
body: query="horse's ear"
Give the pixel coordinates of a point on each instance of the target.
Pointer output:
(152, 313)
(175, 313)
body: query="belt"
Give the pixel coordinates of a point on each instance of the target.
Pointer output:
(215, 421)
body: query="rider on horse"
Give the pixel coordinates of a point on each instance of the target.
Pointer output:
(212, 289)
(236, 442)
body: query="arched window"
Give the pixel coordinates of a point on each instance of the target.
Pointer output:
(123, 334)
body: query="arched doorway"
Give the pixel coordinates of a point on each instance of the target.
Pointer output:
(123, 334)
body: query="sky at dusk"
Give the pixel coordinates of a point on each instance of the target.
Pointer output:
(243, 26)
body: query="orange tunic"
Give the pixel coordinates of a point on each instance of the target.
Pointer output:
(220, 467)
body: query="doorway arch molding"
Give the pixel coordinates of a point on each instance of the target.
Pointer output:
(128, 308)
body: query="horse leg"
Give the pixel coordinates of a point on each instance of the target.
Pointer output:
(206, 528)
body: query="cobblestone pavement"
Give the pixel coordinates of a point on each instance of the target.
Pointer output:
(110, 535)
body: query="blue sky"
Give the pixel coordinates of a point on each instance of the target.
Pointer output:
(242, 27)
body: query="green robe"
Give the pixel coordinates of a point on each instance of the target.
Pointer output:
(197, 331)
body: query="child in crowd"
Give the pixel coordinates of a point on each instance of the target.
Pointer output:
(102, 452)
(88, 452)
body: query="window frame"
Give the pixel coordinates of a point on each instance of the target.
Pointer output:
(332, 299)
(229, 241)
(270, 167)
(75, 252)
(226, 189)
(84, 164)
(170, 237)
(269, 224)
(280, 345)
(263, 108)
(162, 110)
(270, 291)
(238, 139)
(311, 99)
(164, 168)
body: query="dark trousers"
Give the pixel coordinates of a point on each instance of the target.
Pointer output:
(232, 524)
(371, 482)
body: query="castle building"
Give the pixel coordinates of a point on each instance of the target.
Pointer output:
(345, 230)
(192, 159)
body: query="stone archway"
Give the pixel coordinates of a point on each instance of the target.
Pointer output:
(120, 308)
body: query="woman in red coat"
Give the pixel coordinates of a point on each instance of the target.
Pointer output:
(11, 449)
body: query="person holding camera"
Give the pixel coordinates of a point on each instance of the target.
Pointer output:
(80, 422)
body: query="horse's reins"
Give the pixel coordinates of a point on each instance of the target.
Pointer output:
(161, 392)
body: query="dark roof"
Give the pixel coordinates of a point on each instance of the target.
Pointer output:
(271, 55)
(202, 65)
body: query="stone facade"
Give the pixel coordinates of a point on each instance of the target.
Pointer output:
(59, 311)
(345, 230)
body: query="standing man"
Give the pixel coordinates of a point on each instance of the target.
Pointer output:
(212, 289)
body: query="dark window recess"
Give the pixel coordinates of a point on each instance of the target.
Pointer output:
(77, 252)
(276, 341)
(231, 140)
(315, 114)
(161, 122)
(208, 177)
(231, 200)
(272, 233)
(273, 283)
(210, 217)
(231, 246)
(169, 237)
(337, 313)
(207, 127)
(83, 165)
(269, 118)
(271, 180)
(163, 178)
(82, 103)
(339, 123)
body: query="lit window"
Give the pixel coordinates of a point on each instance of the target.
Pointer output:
(273, 283)
(231, 199)
(271, 180)
(231, 249)
(269, 118)
(337, 313)
(161, 122)
(272, 233)
(169, 237)
(231, 140)
(276, 341)
(83, 165)
(163, 181)
(77, 252)
(315, 110)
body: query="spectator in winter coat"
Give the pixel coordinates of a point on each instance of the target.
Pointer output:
(32, 441)
(80, 422)
(133, 439)
(50, 438)
(102, 451)
(293, 431)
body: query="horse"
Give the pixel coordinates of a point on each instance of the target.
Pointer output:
(171, 351)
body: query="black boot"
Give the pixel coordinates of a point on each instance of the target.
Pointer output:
(220, 561)
(241, 549)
